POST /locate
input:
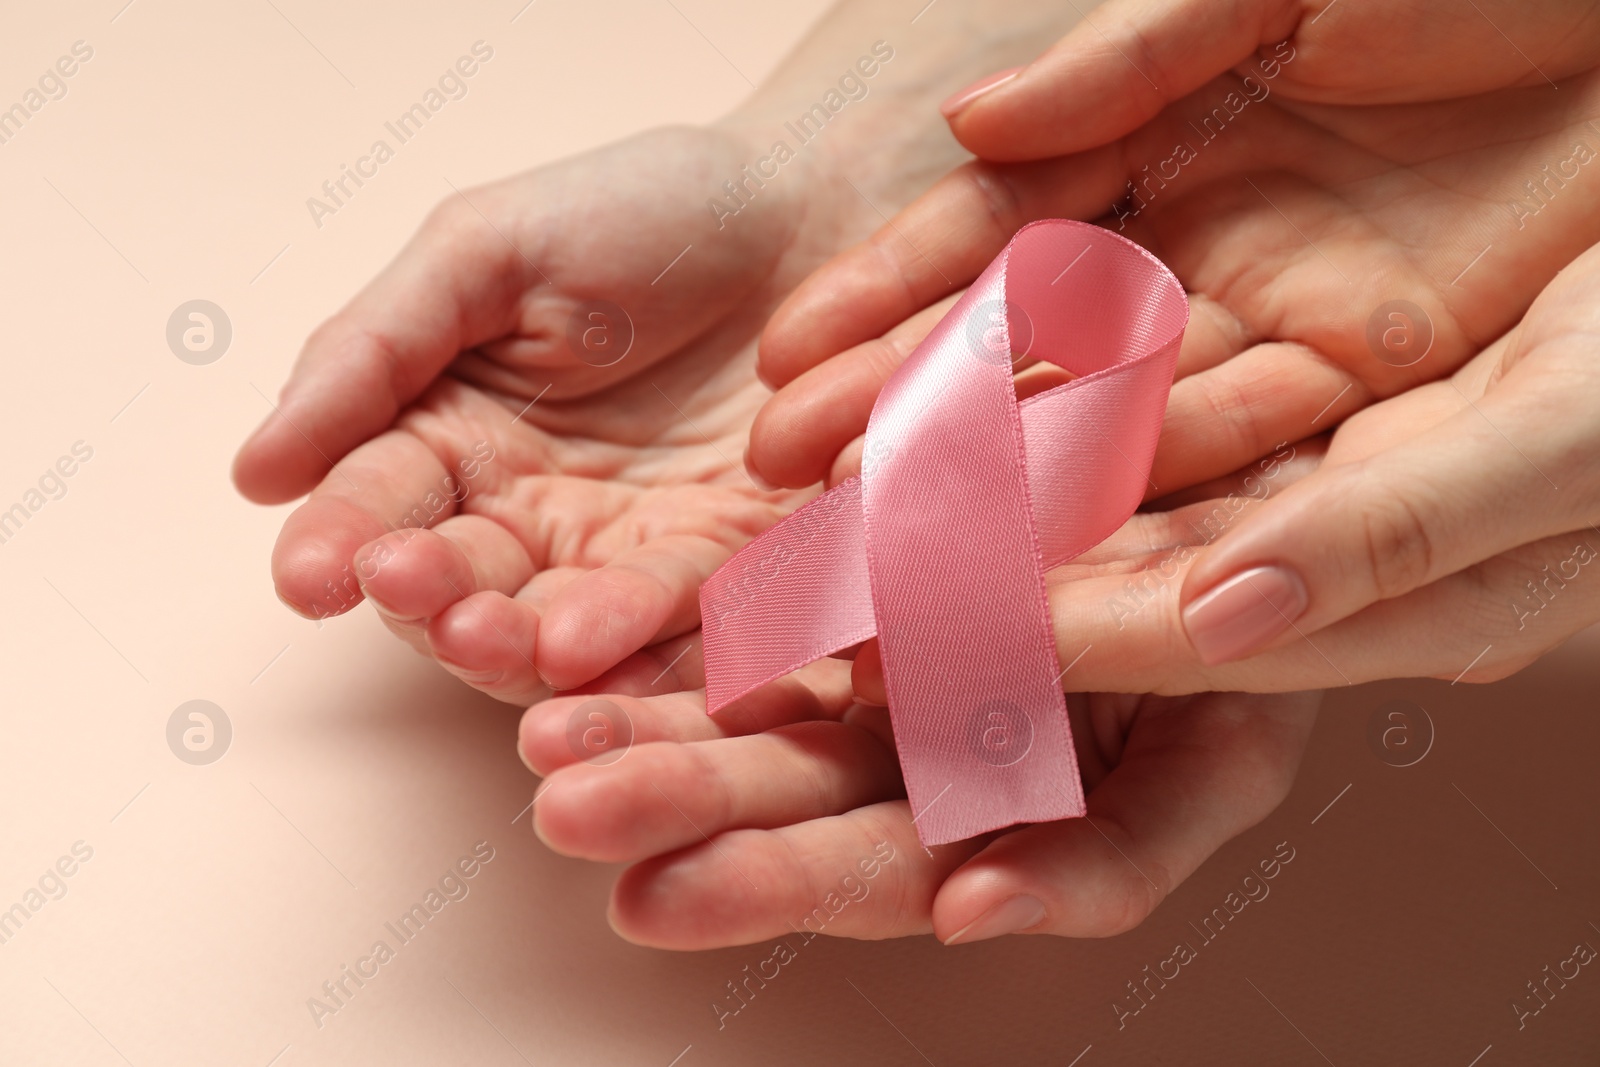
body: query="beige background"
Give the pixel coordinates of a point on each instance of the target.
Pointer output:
(220, 897)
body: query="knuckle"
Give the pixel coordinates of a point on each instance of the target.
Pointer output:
(882, 356)
(1397, 544)
(1135, 900)
(1147, 58)
(1139, 890)
(1229, 408)
(997, 196)
(447, 216)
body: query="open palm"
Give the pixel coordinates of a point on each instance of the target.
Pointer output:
(1301, 191)
(538, 411)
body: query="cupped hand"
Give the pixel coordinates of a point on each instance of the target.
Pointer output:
(1357, 197)
(1448, 532)
(521, 439)
(1451, 531)
(784, 816)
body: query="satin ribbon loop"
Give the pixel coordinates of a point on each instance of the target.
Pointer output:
(966, 497)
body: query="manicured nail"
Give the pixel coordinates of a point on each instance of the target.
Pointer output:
(955, 104)
(1006, 917)
(1244, 613)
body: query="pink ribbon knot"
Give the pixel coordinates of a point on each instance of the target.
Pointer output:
(965, 498)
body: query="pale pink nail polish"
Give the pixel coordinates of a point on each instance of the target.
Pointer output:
(1007, 917)
(956, 103)
(1244, 613)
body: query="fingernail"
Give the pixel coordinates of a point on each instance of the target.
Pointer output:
(1244, 613)
(1006, 917)
(958, 102)
(477, 679)
(522, 754)
(296, 608)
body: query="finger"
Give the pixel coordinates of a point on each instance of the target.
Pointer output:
(803, 434)
(1483, 481)
(1114, 608)
(671, 666)
(1287, 464)
(662, 797)
(548, 739)
(1224, 418)
(641, 596)
(861, 874)
(1195, 773)
(798, 432)
(489, 640)
(1213, 336)
(455, 285)
(390, 482)
(1122, 632)
(1031, 380)
(866, 676)
(932, 248)
(412, 575)
(1115, 71)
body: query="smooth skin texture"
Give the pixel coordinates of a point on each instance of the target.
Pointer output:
(1376, 152)
(711, 893)
(606, 500)
(1373, 154)
(737, 826)
(594, 499)
(1473, 505)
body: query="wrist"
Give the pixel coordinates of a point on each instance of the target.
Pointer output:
(859, 98)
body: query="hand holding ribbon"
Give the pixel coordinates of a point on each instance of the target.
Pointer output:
(966, 484)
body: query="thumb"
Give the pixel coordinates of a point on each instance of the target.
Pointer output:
(1115, 70)
(455, 285)
(1481, 482)
(1195, 773)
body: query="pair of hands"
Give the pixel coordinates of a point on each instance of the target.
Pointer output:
(1371, 156)
(575, 558)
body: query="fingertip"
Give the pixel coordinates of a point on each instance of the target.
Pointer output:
(311, 559)
(683, 901)
(781, 344)
(847, 464)
(1064, 878)
(413, 574)
(273, 465)
(588, 811)
(487, 632)
(641, 909)
(776, 456)
(988, 122)
(1078, 94)
(751, 466)
(1017, 914)
(866, 676)
(542, 736)
(833, 309)
(560, 816)
(959, 101)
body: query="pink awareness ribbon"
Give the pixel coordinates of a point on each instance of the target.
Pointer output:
(965, 498)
